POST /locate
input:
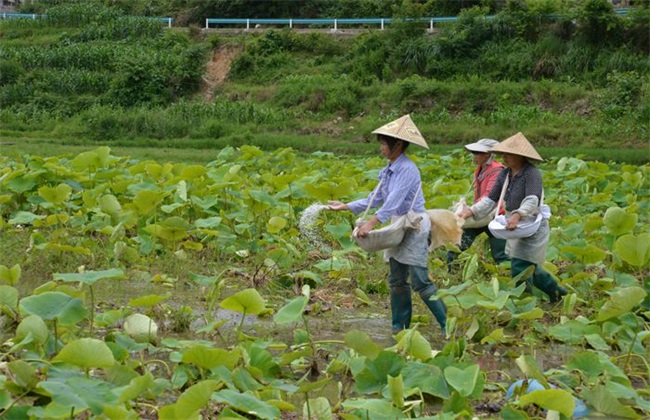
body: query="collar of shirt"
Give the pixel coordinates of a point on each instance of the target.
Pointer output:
(394, 166)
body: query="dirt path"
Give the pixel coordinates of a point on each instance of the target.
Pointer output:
(217, 70)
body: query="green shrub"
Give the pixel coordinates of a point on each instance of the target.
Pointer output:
(10, 72)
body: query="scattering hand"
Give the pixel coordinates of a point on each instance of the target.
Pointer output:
(513, 221)
(336, 205)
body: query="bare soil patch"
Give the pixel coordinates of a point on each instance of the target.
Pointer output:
(217, 69)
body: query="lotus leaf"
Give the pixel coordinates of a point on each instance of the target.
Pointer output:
(317, 408)
(618, 221)
(55, 195)
(292, 311)
(81, 394)
(248, 301)
(89, 277)
(141, 328)
(374, 375)
(86, 353)
(634, 249)
(246, 403)
(34, 325)
(276, 224)
(621, 302)
(25, 218)
(54, 305)
(372, 409)
(462, 380)
(209, 358)
(9, 296)
(551, 399)
(601, 399)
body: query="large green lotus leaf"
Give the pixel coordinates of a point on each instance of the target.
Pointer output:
(149, 300)
(572, 332)
(86, 353)
(634, 249)
(372, 409)
(292, 311)
(248, 301)
(24, 374)
(246, 403)
(373, 377)
(34, 325)
(396, 390)
(141, 328)
(109, 204)
(171, 229)
(462, 380)
(427, 378)
(9, 296)
(361, 342)
(276, 224)
(415, 345)
(193, 171)
(587, 254)
(587, 363)
(209, 223)
(329, 190)
(55, 195)
(89, 277)
(81, 393)
(91, 160)
(334, 264)
(621, 302)
(146, 201)
(190, 402)
(262, 360)
(618, 221)
(551, 399)
(209, 358)
(137, 386)
(262, 200)
(21, 184)
(319, 408)
(25, 218)
(54, 305)
(530, 368)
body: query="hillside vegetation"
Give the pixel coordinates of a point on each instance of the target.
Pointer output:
(565, 75)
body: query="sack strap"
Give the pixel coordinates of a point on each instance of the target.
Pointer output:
(503, 193)
(372, 199)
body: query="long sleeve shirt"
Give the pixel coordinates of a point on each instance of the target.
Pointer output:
(484, 178)
(399, 185)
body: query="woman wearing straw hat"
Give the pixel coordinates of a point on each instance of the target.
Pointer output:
(523, 197)
(485, 175)
(399, 191)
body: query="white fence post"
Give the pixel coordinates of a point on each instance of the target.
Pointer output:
(290, 23)
(382, 24)
(431, 25)
(206, 23)
(248, 24)
(335, 25)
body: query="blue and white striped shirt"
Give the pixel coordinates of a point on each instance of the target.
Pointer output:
(400, 181)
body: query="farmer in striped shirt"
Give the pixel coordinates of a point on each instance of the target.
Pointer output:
(398, 192)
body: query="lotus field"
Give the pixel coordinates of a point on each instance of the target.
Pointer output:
(143, 289)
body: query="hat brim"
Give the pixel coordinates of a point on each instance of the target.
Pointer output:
(477, 147)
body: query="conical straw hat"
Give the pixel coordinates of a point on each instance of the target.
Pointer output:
(403, 128)
(517, 145)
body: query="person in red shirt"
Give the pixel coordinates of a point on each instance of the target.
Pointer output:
(485, 175)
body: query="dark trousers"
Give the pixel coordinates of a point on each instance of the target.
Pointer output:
(400, 294)
(497, 246)
(541, 279)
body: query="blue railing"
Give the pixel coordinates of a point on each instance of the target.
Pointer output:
(4, 15)
(335, 23)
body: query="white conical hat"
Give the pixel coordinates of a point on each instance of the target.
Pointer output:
(403, 128)
(517, 145)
